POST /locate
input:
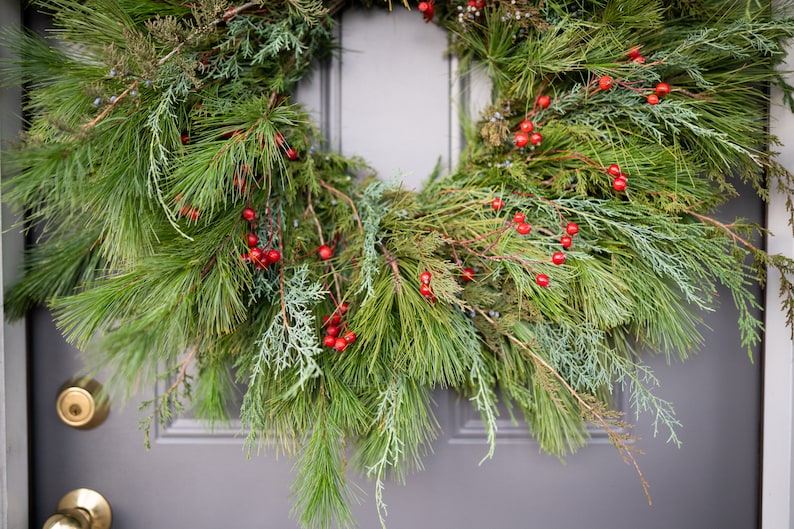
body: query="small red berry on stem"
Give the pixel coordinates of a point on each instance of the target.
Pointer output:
(614, 169)
(558, 258)
(662, 89)
(520, 139)
(544, 101)
(572, 228)
(526, 126)
(252, 239)
(425, 290)
(329, 341)
(342, 308)
(542, 280)
(566, 241)
(427, 10)
(280, 140)
(653, 99)
(497, 204)
(273, 256)
(634, 52)
(350, 337)
(340, 344)
(523, 228)
(536, 138)
(467, 274)
(249, 214)
(519, 217)
(619, 184)
(425, 277)
(325, 252)
(292, 154)
(333, 330)
(605, 82)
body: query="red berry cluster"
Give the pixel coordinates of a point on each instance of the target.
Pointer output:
(424, 287)
(260, 257)
(661, 90)
(522, 226)
(527, 133)
(619, 177)
(335, 335)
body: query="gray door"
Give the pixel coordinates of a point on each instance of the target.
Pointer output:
(391, 101)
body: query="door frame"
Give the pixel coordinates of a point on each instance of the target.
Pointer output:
(777, 472)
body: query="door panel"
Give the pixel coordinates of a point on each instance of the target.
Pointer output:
(389, 101)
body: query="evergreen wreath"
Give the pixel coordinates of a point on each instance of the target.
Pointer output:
(188, 214)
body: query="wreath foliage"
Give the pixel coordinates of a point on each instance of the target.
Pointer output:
(189, 215)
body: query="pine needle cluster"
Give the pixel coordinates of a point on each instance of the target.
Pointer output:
(163, 148)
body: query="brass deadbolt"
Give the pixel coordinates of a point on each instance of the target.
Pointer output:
(82, 404)
(81, 509)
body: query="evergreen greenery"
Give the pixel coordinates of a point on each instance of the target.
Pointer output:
(153, 123)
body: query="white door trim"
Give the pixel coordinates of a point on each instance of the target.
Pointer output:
(14, 488)
(777, 469)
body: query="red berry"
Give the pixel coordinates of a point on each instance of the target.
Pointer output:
(519, 217)
(427, 10)
(249, 214)
(340, 344)
(425, 290)
(526, 126)
(273, 256)
(634, 52)
(536, 138)
(566, 241)
(622, 176)
(335, 319)
(350, 337)
(255, 254)
(329, 341)
(497, 204)
(292, 154)
(333, 330)
(432, 299)
(342, 308)
(542, 280)
(572, 228)
(467, 274)
(619, 184)
(558, 258)
(424, 277)
(252, 239)
(544, 101)
(605, 82)
(614, 169)
(280, 141)
(193, 214)
(325, 252)
(639, 59)
(520, 139)
(185, 139)
(662, 89)
(479, 4)
(653, 99)
(523, 228)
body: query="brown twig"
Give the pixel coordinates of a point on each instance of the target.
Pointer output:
(347, 199)
(726, 228)
(110, 107)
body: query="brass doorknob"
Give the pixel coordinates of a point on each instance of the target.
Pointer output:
(81, 509)
(82, 404)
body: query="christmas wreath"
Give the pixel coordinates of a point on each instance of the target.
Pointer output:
(188, 213)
